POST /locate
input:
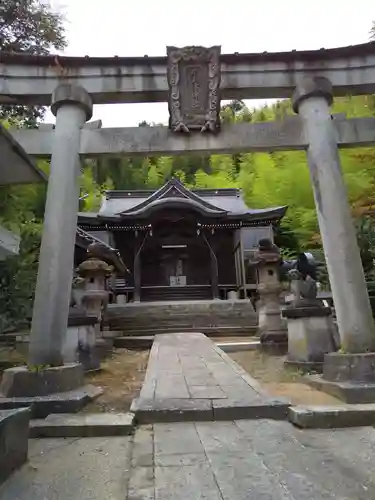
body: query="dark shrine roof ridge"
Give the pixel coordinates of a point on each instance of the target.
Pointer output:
(145, 193)
(286, 56)
(172, 186)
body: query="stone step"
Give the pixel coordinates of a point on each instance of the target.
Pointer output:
(188, 321)
(146, 341)
(182, 306)
(204, 410)
(185, 305)
(160, 323)
(83, 426)
(134, 342)
(157, 328)
(160, 312)
(177, 293)
(328, 417)
(209, 317)
(221, 331)
(239, 346)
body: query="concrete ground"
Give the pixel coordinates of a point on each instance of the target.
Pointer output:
(241, 460)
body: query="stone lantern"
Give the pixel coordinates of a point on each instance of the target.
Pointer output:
(95, 273)
(271, 324)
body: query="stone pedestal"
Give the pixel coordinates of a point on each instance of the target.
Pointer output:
(95, 273)
(310, 336)
(271, 325)
(80, 344)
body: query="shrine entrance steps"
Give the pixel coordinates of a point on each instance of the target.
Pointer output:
(176, 293)
(212, 317)
(189, 378)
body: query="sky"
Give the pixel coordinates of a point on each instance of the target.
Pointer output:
(136, 28)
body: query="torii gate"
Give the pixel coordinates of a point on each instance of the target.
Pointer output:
(193, 80)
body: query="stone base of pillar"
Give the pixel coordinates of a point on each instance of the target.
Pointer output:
(51, 390)
(22, 382)
(310, 336)
(349, 377)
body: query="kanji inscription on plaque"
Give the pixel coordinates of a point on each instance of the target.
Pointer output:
(194, 88)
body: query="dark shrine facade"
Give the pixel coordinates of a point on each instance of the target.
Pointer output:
(182, 244)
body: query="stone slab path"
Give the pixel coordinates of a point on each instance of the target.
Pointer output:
(189, 378)
(72, 469)
(257, 460)
(238, 460)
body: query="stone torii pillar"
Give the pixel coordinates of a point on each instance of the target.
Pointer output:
(312, 100)
(72, 107)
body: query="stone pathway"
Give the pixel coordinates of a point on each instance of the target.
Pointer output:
(238, 460)
(200, 456)
(189, 378)
(72, 469)
(257, 460)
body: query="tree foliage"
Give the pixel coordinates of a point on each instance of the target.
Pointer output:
(21, 211)
(18, 277)
(266, 179)
(366, 241)
(30, 27)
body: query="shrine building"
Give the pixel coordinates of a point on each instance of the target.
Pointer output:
(182, 244)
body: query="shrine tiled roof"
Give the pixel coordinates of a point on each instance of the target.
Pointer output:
(218, 203)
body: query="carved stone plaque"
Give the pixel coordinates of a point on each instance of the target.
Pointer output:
(194, 88)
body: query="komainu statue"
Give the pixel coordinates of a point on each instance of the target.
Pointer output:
(303, 284)
(304, 290)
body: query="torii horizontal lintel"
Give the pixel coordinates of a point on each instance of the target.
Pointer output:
(283, 135)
